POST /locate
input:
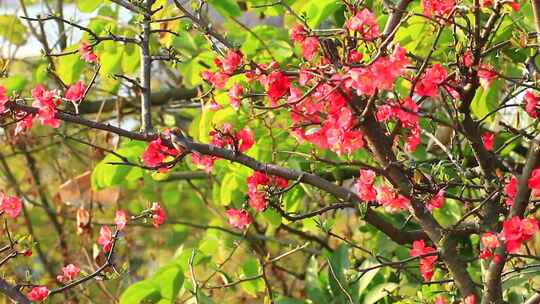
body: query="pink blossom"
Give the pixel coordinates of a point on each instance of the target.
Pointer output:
(297, 33)
(86, 53)
(121, 219)
(231, 62)
(3, 99)
(245, 139)
(364, 22)
(436, 201)
(309, 48)
(235, 95)
(105, 238)
(158, 215)
(38, 293)
(487, 139)
(238, 218)
(69, 273)
(10, 205)
(75, 92)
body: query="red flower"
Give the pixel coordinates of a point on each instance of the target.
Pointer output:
(516, 231)
(433, 77)
(426, 263)
(121, 219)
(238, 218)
(231, 62)
(155, 153)
(354, 56)
(309, 48)
(24, 124)
(75, 92)
(38, 293)
(487, 139)
(245, 139)
(487, 75)
(364, 22)
(277, 85)
(298, 33)
(511, 190)
(531, 104)
(440, 300)
(105, 238)
(10, 205)
(468, 59)
(489, 240)
(486, 3)
(158, 214)
(364, 186)
(218, 79)
(86, 53)
(3, 99)
(392, 201)
(438, 7)
(470, 299)
(534, 180)
(69, 273)
(235, 95)
(204, 162)
(257, 201)
(436, 201)
(46, 101)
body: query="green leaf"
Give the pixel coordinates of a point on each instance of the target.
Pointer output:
(338, 262)
(379, 292)
(12, 29)
(169, 279)
(250, 268)
(69, 67)
(273, 217)
(87, 6)
(226, 8)
(228, 186)
(13, 83)
(139, 292)
(367, 277)
(318, 10)
(111, 62)
(486, 101)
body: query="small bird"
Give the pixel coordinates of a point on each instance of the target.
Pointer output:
(444, 136)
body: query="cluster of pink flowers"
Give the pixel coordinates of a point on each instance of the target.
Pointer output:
(238, 218)
(309, 45)
(384, 195)
(226, 67)
(336, 132)
(226, 137)
(364, 23)
(75, 92)
(405, 111)
(69, 273)
(156, 152)
(516, 231)
(429, 83)
(46, 102)
(437, 201)
(105, 238)
(86, 53)
(534, 182)
(38, 293)
(489, 242)
(441, 8)
(427, 260)
(510, 189)
(380, 75)
(532, 106)
(10, 205)
(257, 184)
(158, 214)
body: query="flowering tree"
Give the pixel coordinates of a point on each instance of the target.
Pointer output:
(316, 151)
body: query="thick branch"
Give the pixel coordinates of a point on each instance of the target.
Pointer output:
(12, 292)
